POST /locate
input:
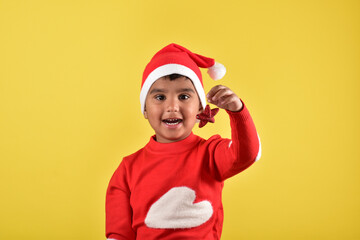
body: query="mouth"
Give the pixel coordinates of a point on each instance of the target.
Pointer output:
(172, 121)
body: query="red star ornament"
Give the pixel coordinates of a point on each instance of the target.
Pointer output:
(207, 116)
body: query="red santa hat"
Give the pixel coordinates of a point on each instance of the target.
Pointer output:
(175, 59)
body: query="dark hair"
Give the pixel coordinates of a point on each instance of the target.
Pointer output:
(175, 76)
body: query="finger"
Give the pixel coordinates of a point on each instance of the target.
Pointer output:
(214, 90)
(221, 94)
(235, 105)
(229, 100)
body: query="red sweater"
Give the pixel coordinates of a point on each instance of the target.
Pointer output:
(173, 190)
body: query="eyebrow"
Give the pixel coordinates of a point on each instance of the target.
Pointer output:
(159, 90)
(186, 90)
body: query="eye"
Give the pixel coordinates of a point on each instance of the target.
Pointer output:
(184, 97)
(160, 97)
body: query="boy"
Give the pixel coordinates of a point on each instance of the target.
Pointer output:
(171, 188)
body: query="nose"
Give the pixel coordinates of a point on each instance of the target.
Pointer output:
(173, 105)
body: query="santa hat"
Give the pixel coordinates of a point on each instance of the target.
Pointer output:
(175, 59)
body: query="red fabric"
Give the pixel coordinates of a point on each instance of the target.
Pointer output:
(202, 165)
(174, 53)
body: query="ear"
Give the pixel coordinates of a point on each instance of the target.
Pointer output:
(200, 109)
(145, 114)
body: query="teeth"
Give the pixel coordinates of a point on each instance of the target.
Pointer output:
(172, 121)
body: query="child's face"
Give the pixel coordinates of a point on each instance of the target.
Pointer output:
(171, 107)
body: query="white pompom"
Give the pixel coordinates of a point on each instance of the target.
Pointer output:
(217, 71)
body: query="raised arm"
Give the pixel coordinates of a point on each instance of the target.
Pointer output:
(231, 156)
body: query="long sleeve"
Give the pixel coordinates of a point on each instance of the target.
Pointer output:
(233, 156)
(118, 209)
(173, 190)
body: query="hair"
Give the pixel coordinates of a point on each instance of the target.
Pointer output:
(175, 76)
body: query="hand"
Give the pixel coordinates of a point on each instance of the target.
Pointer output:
(224, 98)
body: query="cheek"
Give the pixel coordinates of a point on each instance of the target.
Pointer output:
(154, 113)
(191, 112)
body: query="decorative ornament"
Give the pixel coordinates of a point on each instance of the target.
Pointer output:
(207, 116)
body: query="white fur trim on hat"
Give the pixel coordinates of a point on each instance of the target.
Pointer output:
(217, 71)
(168, 69)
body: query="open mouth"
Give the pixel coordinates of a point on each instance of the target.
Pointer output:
(172, 121)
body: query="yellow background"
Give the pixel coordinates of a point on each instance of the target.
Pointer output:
(70, 75)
